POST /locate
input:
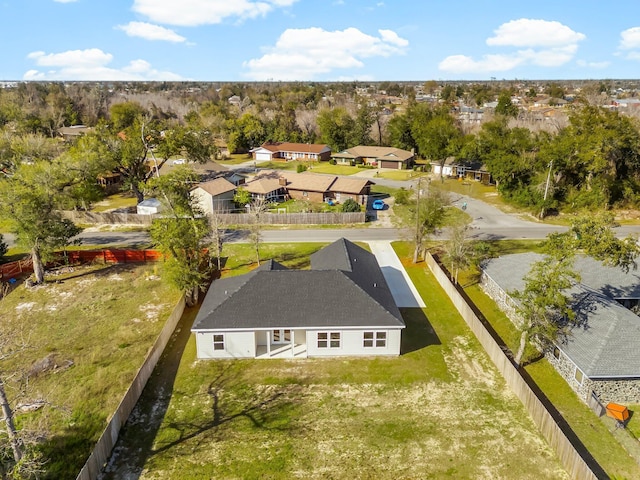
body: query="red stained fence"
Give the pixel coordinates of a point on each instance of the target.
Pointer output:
(75, 257)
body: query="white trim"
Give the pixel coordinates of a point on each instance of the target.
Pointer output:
(322, 328)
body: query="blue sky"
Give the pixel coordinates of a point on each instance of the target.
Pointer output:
(321, 40)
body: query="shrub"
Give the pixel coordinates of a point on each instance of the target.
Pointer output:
(350, 205)
(402, 196)
(333, 161)
(301, 168)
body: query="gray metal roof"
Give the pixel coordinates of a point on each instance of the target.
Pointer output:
(605, 342)
(344, 288)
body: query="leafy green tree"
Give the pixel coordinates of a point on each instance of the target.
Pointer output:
(335, 127)
(30, 199)
(123, 115)
(182, 232)
(350, 205)
(505, 106)
(543, 305)
(361, 134)
(399, 130)
(242, 197)
(439, 138)
(402, 196)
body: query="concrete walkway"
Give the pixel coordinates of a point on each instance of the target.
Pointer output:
(401, 286)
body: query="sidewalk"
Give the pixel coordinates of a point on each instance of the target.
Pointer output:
(404, 292)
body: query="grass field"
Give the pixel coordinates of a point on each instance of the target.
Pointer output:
(99, 322)
(440, 410)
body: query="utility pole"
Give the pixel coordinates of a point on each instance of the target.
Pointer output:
(546, 191)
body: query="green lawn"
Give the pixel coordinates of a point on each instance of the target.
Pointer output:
(117, 200)
(235, 159)
(103, 320)
(440, 410)
(400, 175)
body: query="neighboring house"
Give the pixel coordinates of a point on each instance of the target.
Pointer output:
(357, 189)
(315, 188)
(462, 169)
(73, 132)
(110, 182)
(382, 157)
(291, 151)
(215, 195)
(150, 206)
(601, 355)
(267, 187)
(342, 306)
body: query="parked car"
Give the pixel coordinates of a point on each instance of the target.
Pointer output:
(378, 205)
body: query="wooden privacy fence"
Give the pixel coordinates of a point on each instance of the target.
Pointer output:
(324, 218)
(574, 457)
(109, 437)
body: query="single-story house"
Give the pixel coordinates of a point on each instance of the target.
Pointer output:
(269, 187)
(382, 157)
(600, 357)
(291, 151)
(465, 169)
(342, 306)
(73, 132)
(215, 195)
(150, 206)
(316, 188)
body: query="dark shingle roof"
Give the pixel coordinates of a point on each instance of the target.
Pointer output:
(344, 288)
(605, 341)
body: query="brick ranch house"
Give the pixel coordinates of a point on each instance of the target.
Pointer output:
(601, 355)
(381, 157)
(276, 185)
(285, 151)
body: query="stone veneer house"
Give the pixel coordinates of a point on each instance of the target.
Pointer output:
(342, 306)
(601, 356)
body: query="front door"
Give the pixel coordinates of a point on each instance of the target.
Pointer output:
(281, 336)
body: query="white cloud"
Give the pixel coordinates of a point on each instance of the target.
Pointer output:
(541, 43)
(91, 64)
(488, 63)
(527, 32)
(584, 63)
(630, 39)
(205, 12)
(629, 43)
(149, 31)
(303, 54)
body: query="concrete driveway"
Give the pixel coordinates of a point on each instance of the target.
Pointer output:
(401, 286)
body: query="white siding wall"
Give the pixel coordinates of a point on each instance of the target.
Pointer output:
(236, 345)
(203, 199)
(352, 343)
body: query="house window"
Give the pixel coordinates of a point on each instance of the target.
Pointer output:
(328, 339)
(218, 342)
(579, 376)
(375, 339)
(556, 353)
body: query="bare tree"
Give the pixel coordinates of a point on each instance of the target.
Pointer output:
(458, 250)
(218, 225)
(257, 208)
